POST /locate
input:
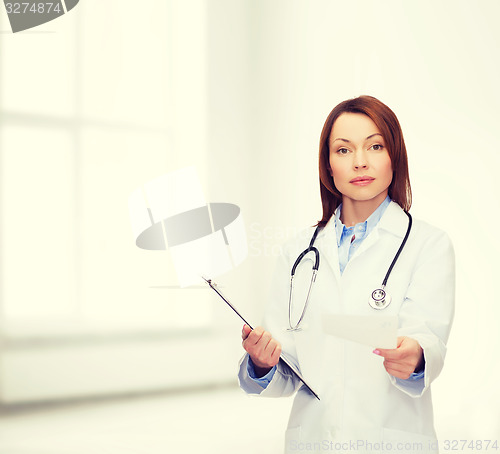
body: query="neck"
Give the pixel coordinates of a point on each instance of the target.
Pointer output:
(356, 211)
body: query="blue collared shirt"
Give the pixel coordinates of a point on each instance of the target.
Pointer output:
(348, 241)
(350, 238)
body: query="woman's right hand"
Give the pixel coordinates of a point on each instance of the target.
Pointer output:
(262, 348)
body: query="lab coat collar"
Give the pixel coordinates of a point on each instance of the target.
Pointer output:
(367, 225)
(326, 242)
(394, 221)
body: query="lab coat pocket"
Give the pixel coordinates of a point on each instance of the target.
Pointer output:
(409, 442)
(292, 439)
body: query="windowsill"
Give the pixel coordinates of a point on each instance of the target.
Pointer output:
(57, 362)
(57, 333)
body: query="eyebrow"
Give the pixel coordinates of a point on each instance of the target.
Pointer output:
(369, 137)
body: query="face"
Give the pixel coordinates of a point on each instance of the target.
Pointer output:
(359, 161)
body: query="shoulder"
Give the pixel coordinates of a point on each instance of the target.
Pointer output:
(426, 232)
(395, 220)
(431, 245)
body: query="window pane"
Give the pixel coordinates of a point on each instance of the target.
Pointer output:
(38, 68)
(122, 284)
(38, 222)
(124, 62)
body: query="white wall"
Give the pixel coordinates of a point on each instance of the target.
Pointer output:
(435, 64)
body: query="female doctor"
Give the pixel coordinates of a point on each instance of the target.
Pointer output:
(370, 400)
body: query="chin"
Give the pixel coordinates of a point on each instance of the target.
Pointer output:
(366, 197)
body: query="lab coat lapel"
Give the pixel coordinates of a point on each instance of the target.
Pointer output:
(393, 220)
(326, 243)
(369, 241)
(309, 343)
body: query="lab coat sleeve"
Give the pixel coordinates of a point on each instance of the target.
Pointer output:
(284, 382)
(427, 312)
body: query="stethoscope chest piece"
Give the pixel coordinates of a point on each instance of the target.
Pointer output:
(379, 299)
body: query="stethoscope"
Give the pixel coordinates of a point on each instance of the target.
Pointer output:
(379, 298)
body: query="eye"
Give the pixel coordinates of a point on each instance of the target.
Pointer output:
(342, 151)
(377, 147)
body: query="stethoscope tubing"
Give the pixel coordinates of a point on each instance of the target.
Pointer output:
(408, 230)
(315, 269)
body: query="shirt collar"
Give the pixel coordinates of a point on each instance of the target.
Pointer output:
(369, 224)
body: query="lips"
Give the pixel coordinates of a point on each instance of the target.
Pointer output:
(362, 181)
(364, 178)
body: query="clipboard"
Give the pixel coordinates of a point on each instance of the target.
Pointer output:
(282, 360)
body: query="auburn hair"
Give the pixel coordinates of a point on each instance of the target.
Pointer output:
(388, 125)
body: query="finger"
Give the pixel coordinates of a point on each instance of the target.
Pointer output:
(403, 366)
(401, 351)
(245, 331)
(399, 374)
(264, 341)
(398, 367)
(392, 354)
(269, 353)
(270, 347)
(256, 342)
(403, 370)
(276, 353)
(267, 356)
(255, 335)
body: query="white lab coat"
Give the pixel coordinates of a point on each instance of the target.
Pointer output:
(360, 402)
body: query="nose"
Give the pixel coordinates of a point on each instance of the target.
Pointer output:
(360, 161)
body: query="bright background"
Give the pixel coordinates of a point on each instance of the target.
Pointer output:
(116, 93)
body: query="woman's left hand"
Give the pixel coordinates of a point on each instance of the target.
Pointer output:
(402, 361)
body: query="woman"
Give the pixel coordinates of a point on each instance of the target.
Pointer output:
(371, 400)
